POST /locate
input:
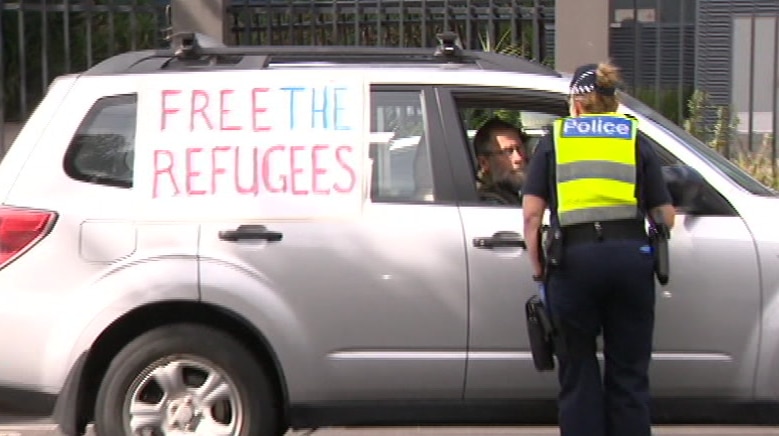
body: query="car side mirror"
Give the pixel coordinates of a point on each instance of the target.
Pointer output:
(685, 185)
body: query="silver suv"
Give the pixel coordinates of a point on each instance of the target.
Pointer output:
(242, 240)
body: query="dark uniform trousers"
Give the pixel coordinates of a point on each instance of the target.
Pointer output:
(604, 287)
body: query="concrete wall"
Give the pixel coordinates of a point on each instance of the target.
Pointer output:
(760, 73)
(581, 33)
(208, 17)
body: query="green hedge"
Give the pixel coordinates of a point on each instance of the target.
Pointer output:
(28, 70)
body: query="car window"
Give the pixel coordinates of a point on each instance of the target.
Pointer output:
(714, 158)
(533, 123)
(401, 168)
(709, 201)
(102, 150)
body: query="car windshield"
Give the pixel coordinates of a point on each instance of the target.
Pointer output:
(730, 169)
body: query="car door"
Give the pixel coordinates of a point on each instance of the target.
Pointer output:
(500, 364)
(705, 341)
(367, 307)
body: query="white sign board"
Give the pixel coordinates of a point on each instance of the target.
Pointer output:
(261, 144)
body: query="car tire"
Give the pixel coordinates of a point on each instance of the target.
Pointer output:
(186, 375)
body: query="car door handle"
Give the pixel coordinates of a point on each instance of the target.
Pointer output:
(250, 232)
(500, 239)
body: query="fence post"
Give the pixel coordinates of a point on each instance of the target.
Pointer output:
(208, 17)
(581, 33)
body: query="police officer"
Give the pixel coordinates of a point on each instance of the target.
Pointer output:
(599, 182)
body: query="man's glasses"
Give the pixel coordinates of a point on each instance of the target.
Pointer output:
(508, 151)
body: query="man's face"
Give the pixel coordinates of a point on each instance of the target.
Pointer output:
(506, 159)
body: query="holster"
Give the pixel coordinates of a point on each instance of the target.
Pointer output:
(658, 238)
(552, 248)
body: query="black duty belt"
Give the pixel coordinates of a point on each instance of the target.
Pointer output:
(604, 231)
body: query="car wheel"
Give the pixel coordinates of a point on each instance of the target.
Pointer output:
(186, 379)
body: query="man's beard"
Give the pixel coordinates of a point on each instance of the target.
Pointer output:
(512, 180)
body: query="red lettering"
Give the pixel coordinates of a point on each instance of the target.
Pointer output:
(278, 169)
(316, 170)
(201, 110)
(295, 170)
(255, 187)
(191, 174)
(258, 110)
(223, 111)
(165, 110)
(341, 161)
(159, 170)
(266, 171)
(216, 169)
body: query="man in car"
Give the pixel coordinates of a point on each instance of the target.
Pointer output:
(502, 156)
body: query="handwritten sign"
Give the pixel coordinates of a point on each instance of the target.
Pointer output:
(267, 144)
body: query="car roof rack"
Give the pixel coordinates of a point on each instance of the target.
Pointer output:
(191, 50)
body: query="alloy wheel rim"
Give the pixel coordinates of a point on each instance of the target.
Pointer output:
(183, 395)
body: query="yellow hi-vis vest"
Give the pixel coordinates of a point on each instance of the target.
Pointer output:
(595, 162)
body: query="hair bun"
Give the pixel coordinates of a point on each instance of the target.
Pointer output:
(607, 75)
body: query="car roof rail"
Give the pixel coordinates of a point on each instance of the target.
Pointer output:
(190, 50)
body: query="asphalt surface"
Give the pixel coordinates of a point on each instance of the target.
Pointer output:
(43, 429)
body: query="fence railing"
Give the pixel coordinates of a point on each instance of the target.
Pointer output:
(712, 71)
(42, 39)
(712, 67)
(404, 23)
(755, 99)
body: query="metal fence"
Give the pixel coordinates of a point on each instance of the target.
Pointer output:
(654, 44)
(42, 39)
(405, 23)
(738, 67)
(737, 75)
(658, 63)
(710, 65)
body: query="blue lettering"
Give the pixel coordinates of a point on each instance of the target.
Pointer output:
(337, 109)
(292, 107)
(329, 108)
(597, 127)
(322, 111)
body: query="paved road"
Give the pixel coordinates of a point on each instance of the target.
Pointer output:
(45, 430)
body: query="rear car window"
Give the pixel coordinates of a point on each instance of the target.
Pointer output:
(102, 150)
(399, 151)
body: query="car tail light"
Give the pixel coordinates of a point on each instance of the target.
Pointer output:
(20, 229)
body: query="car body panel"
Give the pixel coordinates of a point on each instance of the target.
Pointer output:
(348, 312)
(98, 261)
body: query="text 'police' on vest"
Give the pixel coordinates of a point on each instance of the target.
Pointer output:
(600, 127)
